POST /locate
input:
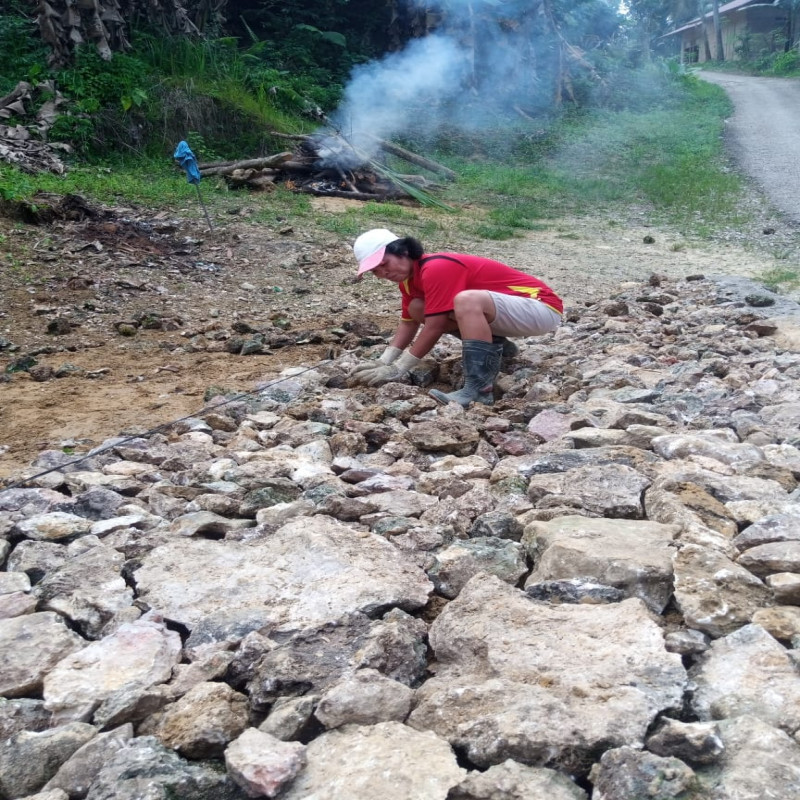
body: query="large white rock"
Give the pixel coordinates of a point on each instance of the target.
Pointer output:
(53, 526)
(30, 646)
(716, 595)
(748, 672)
(635, 556)
(544, 684)
(310, 571)
(758, 761)
(388, 761)
(138, 654)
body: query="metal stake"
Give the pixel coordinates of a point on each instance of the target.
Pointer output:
(205, 210)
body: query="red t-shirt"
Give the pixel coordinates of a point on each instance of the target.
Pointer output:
(439, 277)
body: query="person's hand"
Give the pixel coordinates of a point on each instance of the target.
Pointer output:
(388, 356)
(376, 374)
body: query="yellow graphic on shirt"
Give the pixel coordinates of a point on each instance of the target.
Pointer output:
(531, 291)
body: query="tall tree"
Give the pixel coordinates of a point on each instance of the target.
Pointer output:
(63, 24)
(718, 31)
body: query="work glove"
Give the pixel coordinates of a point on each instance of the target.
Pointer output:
(389, 355)
(377, 373)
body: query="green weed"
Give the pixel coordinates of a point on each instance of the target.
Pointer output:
(345, 225)
(776, 279)
(495, 233)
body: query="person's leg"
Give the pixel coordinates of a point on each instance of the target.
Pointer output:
(416, 309)
(485, 320)
(474, 311)
(522, 316)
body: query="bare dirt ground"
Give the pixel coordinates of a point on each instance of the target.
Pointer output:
(71, 290)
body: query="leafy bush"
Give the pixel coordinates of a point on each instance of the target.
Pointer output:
(122, 81)
(787, 63)
(22, 53)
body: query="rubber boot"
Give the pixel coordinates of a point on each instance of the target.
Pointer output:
(510, 350)
(481, 362)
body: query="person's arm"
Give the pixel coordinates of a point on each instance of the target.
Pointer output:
(405, 333)
(431, 332)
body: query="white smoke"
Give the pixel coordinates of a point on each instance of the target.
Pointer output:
(489, 60)
(399, 93)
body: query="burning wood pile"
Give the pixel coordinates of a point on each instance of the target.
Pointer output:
(327, 164)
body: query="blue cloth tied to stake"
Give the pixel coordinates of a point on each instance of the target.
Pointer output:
(185, 157)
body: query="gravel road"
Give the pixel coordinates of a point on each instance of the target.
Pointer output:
(765, 134)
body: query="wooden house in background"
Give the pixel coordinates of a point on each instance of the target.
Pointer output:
(749, 27)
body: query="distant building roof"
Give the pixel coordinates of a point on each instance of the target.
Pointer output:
(723, 9)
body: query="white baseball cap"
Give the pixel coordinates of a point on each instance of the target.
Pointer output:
(370, 247)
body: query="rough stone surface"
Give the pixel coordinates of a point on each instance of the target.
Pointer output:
(261, 764)
(28, 760)
(747, 672)
(308, 572)
(456, 564)
(755, 756)
(140, 654)
(513, 781)
(202, 722)
(88, 590)
(365, 698)
(146, 770)
(509, 684)
(318, 553)
(716, 595)
(30, 646)
(692, 742)
(387, 760)
(626, 772)
(77, 774)
(633, 556)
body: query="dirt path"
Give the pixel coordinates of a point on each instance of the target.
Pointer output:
(765, 133)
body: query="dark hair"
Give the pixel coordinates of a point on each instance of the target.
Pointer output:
(408, 247)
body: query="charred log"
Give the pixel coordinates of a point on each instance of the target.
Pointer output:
(251, 163)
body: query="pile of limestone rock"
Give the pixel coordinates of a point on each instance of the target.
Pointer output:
(590, 589)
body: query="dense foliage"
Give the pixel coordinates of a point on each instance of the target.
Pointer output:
(225, 74)
(230, 77)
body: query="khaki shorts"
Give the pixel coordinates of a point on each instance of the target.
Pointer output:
(522, 316)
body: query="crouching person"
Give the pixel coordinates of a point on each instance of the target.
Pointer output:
(481, 301)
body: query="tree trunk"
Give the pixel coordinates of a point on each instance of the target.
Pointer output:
(718, 32)
(703, 31)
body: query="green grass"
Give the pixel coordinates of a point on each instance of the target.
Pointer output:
(153, 183)
(781, 279)
(668, 159)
